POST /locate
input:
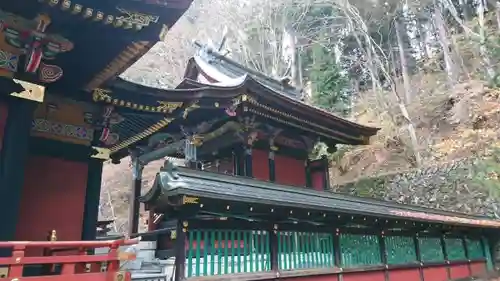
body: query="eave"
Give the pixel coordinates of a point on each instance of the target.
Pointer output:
(101, 38)
(175, 182)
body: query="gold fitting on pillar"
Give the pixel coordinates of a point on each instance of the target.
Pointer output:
(32, 92)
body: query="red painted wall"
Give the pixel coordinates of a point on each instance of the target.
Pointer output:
(364, 276)
(459, 271)
(260, 164)
(4, 111)
(437, 273)
(313, 278)
(478, 268)
(289, 171)
(53, 198)
(317, 179)
(404, 275)
(430, 274)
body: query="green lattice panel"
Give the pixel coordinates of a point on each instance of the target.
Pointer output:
(400, 249)
(216, 252)
(298, 250)
(474, 248)
(455, 249)
(486, 250)
(430, 249)
(359, 250)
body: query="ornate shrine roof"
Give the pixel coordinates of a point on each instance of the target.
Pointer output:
(70, 46)
(237, 94)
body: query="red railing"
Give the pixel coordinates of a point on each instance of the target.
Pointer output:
(65, 261)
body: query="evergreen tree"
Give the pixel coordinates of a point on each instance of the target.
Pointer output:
(330, 88)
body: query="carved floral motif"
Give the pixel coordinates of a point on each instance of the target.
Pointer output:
(60, 129)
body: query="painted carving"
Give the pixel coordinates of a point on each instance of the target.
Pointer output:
(49, 73)
(130, 18)
(112, 139)
(252, 137)
(272, 138)
(60, 129)
(168, 107)
(102, 95)
(88, 118)
(231, 109)
(190, 108)
(8, 63)
(127, 19)
(229, 126)
(248, 123)
(105, 131)
(28, 37)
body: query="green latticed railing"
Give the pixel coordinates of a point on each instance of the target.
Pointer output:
(431, 249)
(298, 250)
(455, 249)
(400, 250)
(359, 250)
(474, 248)
(487, 253)
(216, 252)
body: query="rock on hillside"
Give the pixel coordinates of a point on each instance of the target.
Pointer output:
(468, 186)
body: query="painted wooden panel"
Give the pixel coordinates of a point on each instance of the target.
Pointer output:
(478, 268)
(437, 273)
(260, 164)
(4, 111)
(333, 277)
(459, 271)
(53, 197)
(364, 276)
(290, 171)
(404, 274)
(63, 121)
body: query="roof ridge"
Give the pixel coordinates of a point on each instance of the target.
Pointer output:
(206, 50)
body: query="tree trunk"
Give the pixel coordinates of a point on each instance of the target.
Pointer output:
(404, 65)
(483, 51)
(497, 15)
(465, 10)
(423, 30)
(440, 25)
(375, 61)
